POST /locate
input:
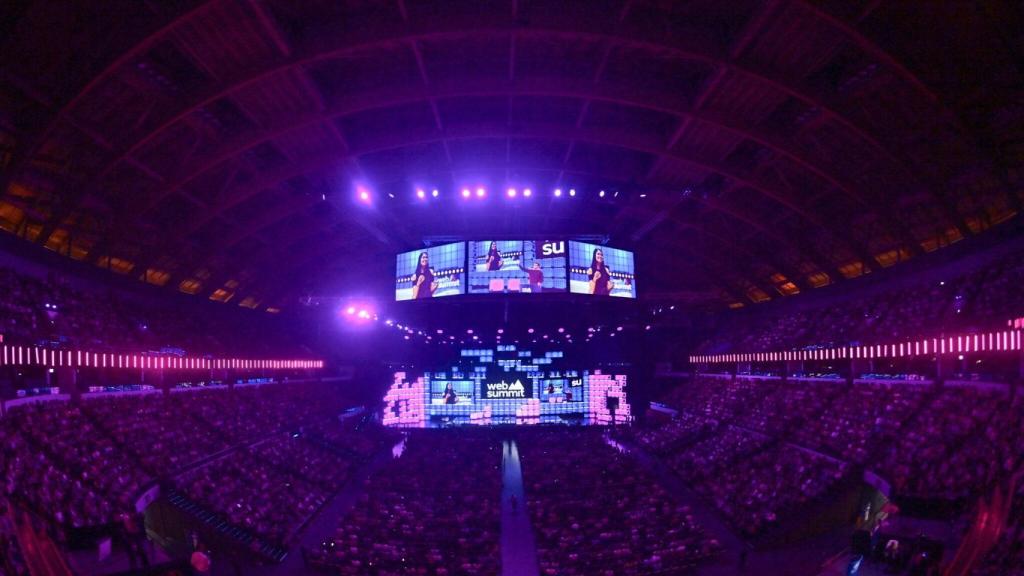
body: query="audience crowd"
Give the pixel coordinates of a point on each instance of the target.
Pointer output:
(58, 312)
(434, 510)
(270, 489)
(83, 464)
(596, 513)
(947, 444)
(972, 301)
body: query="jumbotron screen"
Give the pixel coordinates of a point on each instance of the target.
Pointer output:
(431, 272)
(601, 270)
(506, 385)
(516, 266)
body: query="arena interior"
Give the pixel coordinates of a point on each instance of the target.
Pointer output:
(713, 287)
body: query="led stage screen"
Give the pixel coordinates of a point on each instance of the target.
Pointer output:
(517, 266)
(431, 272)
(601, 270)
(506, 385)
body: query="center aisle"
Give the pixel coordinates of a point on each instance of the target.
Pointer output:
(518, 549)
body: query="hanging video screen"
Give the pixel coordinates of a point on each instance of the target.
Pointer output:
(601, 270)
(517, 267)
(432, 272)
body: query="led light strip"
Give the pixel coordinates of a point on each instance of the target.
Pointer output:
(1002, 341)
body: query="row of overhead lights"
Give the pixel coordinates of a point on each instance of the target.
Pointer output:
(366, 196)
(440, 336)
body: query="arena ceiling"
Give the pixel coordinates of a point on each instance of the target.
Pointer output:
(750, 149)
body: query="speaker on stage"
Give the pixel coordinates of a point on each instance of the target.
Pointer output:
(612, 403)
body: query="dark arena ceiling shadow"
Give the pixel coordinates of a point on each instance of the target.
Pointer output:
(749, 150)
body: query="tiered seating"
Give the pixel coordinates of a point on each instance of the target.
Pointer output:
(752, 480)
(755, 492)
(865, 416)
(944, 444)
(953, 447)
(158, 431)
(351, 436)
(681, 430)
(700, 460)
(719, 398)
(270, 491)
(435, 510)
(80, 465)
(595, 512)
(786, 404)
(55, 311)
(80, 454)
(975, 300)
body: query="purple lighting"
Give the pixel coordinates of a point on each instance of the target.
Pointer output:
(511, 192)
(480, 192)
(421, 194)
(465, 193)
(527, 192)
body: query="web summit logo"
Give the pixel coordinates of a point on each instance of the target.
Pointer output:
(505, 390)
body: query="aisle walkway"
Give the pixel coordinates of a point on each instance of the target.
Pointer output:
(518, 549)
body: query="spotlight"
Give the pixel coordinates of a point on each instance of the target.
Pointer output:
(572, 191)
(434, 193)
(501, 331)
(350, 310)
(480, 192)
(527, 192)
(558, 192)
(618, 329)
(643, 195)
(364, 195)
(421, 194)
(601, 194)
(511, 192)
(465, 192)
(561, 330)
(470, 331)
(529, 331)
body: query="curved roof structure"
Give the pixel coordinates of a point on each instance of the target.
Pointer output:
(750, 149)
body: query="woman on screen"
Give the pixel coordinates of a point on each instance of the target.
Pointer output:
(423, 284)
(599, 275)
(493, 258)
(450, 397)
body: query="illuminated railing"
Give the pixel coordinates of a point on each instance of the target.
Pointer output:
(54, 358)
(1002, 341)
